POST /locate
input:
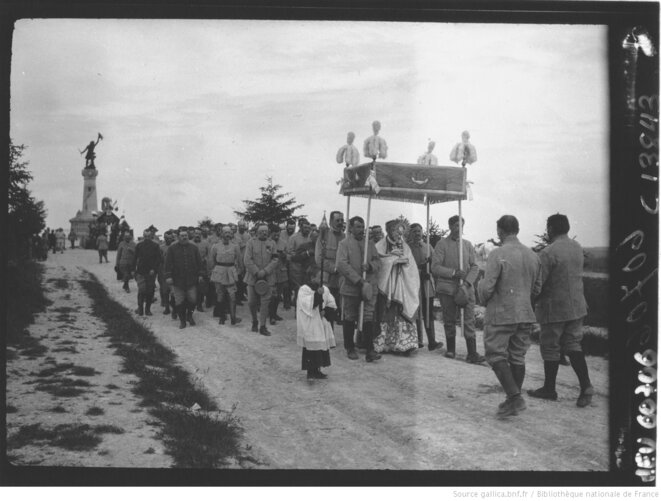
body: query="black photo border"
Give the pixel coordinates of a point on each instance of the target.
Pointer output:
(634, 110)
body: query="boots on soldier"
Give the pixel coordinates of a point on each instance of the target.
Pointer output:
(514, 402)
(450, 352)
(370, 331)
(347, 333)
(519, 374)
(180, 310)
(473, 356)
(189, 315)
(547, 392)
(220, 307)
(173, 307)
(234, 319)
(273, 305)
(148, 301)
(141, 304)
(578, 363)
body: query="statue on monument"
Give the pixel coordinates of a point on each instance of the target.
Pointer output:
(90, 156)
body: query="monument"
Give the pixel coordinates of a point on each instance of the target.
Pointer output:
(88, 214)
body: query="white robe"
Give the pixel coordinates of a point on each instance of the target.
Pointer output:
(399, 282)
(313, 332)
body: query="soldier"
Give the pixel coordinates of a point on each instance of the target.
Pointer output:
(203, 247)
(422, 255)
(281, 275)
(147, 264)
(331, 278)
(163, 287)
(125, 259)
(241, 239)
(297, 268)
(184, 270)
(288, 287)
(560, 310)
(449, 277)
(227, 264)
(353, 288)
(260, 261)
(511, 280)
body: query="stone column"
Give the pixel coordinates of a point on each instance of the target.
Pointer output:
(84, 217)
(89, 191)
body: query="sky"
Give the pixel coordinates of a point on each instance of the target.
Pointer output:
(197, 114)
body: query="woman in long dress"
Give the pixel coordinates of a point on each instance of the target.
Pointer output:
(398, 301)
(315, 309)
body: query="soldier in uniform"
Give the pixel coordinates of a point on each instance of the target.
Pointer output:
(331, 278)
(203, 247)
(350, 264)
(297, 269)
(147, 264)
(422, 255)
(511, 281)
(184, 270)
(281, 275)
(241, 239)
(227, 264)
(560, 310)
(260, 261)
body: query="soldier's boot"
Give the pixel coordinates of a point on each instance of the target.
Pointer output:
(578, 363)
(141, 304)
(547, 392)
(519, 374)
(421, 334)
(473, 356)
(450, 340)
(220, 309)
(189, 315)
(273, 305)
(431, 337)
(370, 332)
(167, 306)
(514, 402)
(181, 313)
(234, 319)
(347, 333)
(173, 306)
(148, 302)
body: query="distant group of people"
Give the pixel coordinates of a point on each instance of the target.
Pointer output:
(53, 241)
(381, 290)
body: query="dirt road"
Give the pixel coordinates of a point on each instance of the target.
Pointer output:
(423, 412)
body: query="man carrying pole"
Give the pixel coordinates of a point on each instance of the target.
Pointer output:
(358, 264)
(454, 286)
(422, 255)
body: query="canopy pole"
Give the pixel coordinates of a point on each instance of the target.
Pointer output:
(426, 298)
(346, 219)
(366, 238)
(461, 260)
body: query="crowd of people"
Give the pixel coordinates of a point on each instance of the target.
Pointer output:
(380, 288)
(51, 241)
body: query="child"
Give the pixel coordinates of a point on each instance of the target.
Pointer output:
(315, 309)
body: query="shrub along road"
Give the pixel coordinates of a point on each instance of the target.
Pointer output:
(423, 412)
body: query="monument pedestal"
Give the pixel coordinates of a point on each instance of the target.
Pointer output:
(81, 223)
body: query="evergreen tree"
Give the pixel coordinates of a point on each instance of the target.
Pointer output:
(26, 216)
(271, 207)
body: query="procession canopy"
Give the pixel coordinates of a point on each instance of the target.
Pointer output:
(405, 182)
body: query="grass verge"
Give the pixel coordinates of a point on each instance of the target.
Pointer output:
(73, 437)
(207, 438)
(27, 298)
